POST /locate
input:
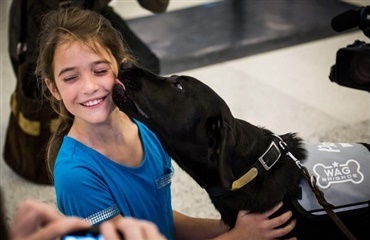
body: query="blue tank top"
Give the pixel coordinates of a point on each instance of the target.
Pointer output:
(91, 186)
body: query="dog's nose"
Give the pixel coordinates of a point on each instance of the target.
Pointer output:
(126, 65)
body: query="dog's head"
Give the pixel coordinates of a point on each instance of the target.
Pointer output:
(198, 130)
(178, 110)
(219, 152)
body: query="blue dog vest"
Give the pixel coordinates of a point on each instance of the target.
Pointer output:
(342, 171)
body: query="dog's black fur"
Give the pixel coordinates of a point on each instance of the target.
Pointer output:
(199, 132)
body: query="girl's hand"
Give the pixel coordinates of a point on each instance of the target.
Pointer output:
(259, 226)
(39, 221)
(131, 229)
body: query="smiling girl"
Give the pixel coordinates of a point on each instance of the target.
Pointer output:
(106, 165)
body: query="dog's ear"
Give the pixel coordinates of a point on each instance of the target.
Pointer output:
(220, 142)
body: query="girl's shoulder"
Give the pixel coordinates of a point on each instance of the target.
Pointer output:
(144, 131)
(76, 161)
(73, 153)
(151, 143)
(72, 148)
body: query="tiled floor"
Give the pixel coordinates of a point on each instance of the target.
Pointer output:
(286, 90)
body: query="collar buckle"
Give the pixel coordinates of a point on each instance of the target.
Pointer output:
(270, 157)
(267, 160)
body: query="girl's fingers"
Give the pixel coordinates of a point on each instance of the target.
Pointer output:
(280, 220)
(56, 229)
(279, 232)
(272, 211)
(134, 229)
(30, 216)
(108, 230)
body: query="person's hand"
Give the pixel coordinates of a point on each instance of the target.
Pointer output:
(259, 226)
(131, 229)
(39, 221)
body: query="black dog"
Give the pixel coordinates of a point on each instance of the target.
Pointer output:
(241, 166)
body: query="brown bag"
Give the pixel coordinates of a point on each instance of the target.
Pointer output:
(30, 125)
(31, 120)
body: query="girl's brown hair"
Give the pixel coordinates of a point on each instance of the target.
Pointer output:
(72, 25)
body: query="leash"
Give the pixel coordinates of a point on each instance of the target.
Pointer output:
(318, 193)
(266, 161)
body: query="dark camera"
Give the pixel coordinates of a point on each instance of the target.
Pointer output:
(92, 233)
(352, 67)
(87, 234)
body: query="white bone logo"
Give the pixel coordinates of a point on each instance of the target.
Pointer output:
(338, 173)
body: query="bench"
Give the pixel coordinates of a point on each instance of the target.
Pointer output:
(230, 29)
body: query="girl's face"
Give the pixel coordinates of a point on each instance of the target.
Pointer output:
(84, 80)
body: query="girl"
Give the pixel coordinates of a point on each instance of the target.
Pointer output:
(106, 165)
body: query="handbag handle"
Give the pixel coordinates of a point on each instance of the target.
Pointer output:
(22, 42)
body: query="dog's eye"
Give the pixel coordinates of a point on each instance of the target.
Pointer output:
(179, 86)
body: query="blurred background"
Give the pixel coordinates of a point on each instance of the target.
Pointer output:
(283, 87)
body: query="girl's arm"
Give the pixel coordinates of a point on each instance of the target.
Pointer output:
(197, 228)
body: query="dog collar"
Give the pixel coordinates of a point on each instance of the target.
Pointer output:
(264, 163)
